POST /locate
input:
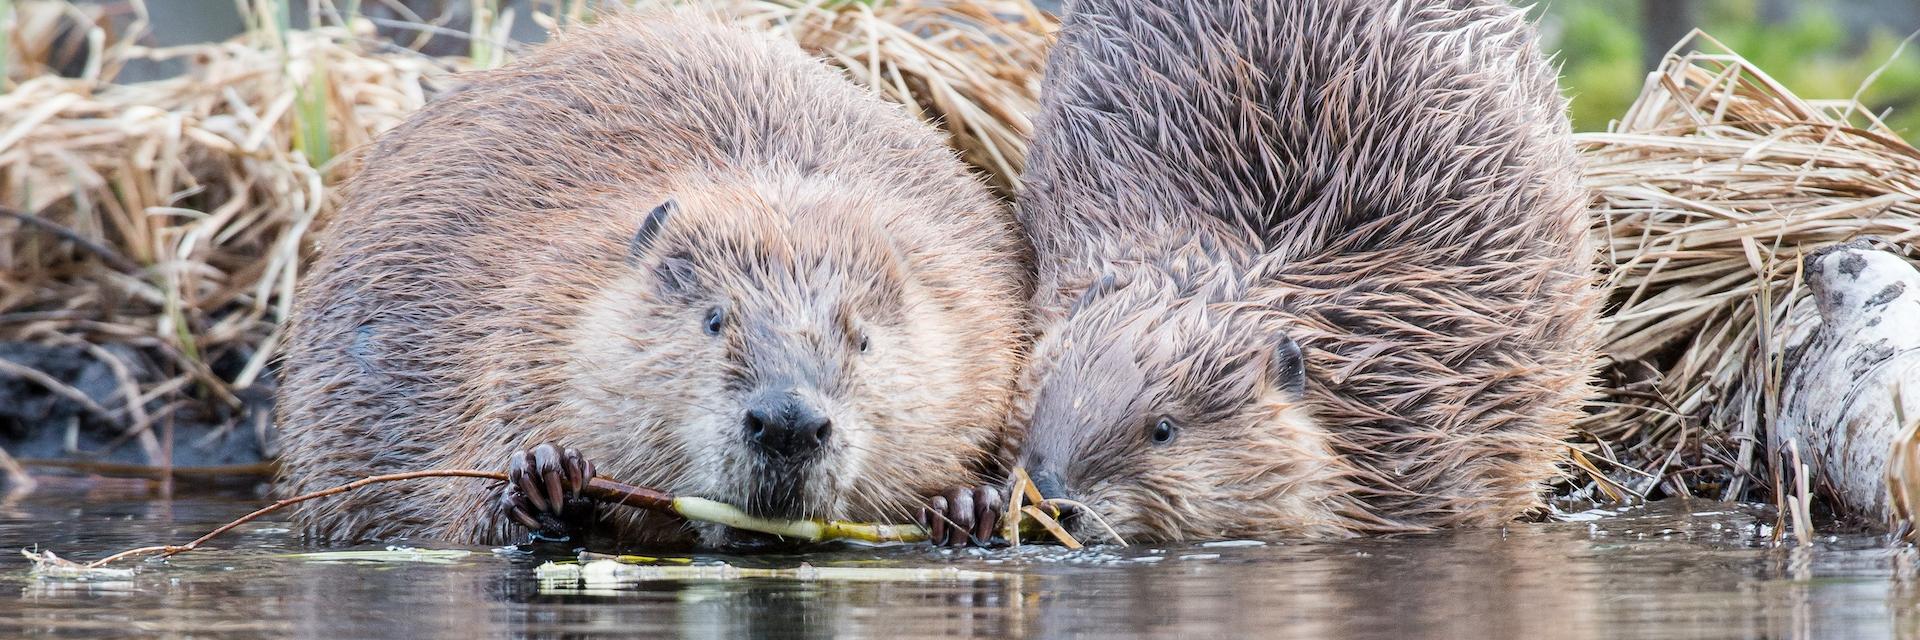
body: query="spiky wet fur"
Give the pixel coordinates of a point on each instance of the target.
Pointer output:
(478, 293)
(1391, 183)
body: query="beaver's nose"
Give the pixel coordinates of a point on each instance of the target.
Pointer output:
(784, 426)
(1049, 485)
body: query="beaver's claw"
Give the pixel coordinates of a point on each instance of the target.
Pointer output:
(963, 516)
(543, 491)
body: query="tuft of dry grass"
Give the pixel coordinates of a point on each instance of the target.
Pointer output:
(169, 216)
(972, 67)
(1707, 193)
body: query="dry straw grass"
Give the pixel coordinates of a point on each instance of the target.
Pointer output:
(1707, 193)
(168, 218)
(971, 66)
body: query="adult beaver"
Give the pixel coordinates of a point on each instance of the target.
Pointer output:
(691, 252)
(1304, 268)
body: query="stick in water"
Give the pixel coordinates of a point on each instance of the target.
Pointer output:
(600, 489)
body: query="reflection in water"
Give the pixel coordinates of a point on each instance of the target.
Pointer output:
(1672, 570)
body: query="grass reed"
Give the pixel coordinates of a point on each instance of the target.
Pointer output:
(1706, 194)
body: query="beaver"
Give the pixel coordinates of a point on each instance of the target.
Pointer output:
(669, 251)
(1303, 268)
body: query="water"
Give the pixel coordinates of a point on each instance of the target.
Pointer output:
(1671, 570)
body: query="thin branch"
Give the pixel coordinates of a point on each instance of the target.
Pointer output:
(18, 481)
(41, 378)
(610, 491)
(106, 254)
(166, 551)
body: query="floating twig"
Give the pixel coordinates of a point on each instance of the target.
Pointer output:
(46, 564)
(166, 551)
(609, 491)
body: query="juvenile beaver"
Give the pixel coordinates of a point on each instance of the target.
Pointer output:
(687, 251)
(1304, 268)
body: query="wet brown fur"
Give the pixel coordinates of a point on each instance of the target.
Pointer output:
(478, 293)
(1390, 183)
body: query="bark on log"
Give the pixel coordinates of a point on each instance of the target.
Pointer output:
(1850, 368)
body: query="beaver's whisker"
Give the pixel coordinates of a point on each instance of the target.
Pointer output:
(1088, 510)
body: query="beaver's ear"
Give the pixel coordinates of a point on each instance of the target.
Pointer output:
(1287, 369)
(649, 230)
(677, 275)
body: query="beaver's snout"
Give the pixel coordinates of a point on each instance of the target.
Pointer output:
(782, 425)
(1050, 487)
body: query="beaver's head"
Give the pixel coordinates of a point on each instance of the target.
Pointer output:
(774, 351)
(1174, 411)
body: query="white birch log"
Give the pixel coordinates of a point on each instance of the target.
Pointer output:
(1851, 367)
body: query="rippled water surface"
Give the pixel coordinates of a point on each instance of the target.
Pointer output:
(1671, 570)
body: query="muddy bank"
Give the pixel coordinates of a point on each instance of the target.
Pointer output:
(76, 407)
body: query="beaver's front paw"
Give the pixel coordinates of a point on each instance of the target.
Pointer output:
(963, 516)
(543, 491)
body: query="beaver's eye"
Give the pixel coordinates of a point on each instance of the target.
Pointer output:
(864, 343)
(1163, 431)
(716, 319)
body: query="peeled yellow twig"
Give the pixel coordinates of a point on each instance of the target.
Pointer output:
(1010, 522)
(589, 556)
(1614, 492)
(1085, 511)
(691, 508)
(706, 510)
(1053, 527)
